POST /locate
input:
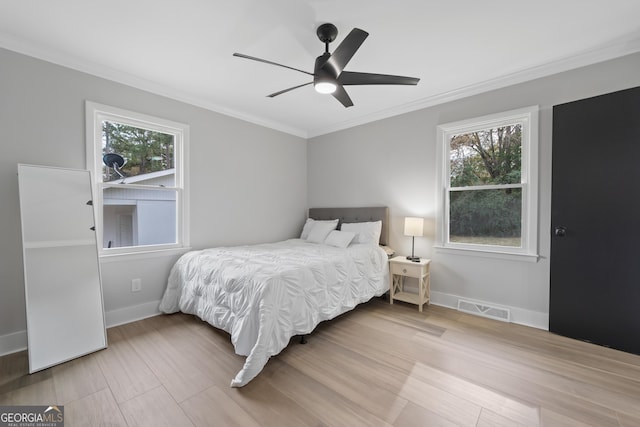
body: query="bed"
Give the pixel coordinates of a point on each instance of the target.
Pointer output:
(263, 295)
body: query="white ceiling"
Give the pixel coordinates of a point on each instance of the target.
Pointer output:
(183, 48)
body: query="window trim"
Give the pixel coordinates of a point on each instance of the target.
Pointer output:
(95, 113)
(528, 251)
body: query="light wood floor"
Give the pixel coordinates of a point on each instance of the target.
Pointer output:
(378, 365)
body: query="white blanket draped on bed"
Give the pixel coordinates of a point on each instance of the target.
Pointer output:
(264, 294)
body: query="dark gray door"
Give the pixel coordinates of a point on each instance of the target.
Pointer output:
(595, 220)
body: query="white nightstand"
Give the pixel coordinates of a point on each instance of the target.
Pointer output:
(399, 268)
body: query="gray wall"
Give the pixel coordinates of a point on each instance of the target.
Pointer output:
(248, 183)
(392, 162)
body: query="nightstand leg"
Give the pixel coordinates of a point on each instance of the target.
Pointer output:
(427, 288)
(396, 286)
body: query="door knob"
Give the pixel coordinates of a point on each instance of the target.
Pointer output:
(560, 231)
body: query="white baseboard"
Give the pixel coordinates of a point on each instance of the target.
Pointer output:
(521, 316)
(13, 342)
(130, 314)
(17, 341)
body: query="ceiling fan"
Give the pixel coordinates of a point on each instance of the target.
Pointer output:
(328, 73)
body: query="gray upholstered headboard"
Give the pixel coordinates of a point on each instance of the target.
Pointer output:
(377, 213)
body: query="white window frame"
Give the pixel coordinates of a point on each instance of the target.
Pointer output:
(95, 114)
(528, 251)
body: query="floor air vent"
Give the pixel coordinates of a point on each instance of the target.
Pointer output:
(484, 310)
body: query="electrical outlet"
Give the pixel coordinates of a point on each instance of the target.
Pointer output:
(136, 285)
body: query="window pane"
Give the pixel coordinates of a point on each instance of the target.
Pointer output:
(148, 155)
(489, 156)
(486, 217)
(134, 217)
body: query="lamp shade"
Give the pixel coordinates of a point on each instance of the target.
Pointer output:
(413, 226)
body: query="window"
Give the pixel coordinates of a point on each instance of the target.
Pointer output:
(488, 177)
(137, 163)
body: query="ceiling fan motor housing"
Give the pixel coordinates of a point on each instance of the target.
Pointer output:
(322, 69)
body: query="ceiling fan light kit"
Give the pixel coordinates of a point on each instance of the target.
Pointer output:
(325, 87)
(328, 74)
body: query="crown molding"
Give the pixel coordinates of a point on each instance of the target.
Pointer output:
(98, 70)
(622, 47)
(587, 57)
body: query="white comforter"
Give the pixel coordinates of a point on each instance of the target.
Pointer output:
(264, 294)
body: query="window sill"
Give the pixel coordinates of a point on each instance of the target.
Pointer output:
(488, 254)
(155, 253)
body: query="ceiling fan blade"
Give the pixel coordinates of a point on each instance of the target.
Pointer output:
(345, 50)
(287, 90)
(354, 78)
(341, 95)
(253, 58)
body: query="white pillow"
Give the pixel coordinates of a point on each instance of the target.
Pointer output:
(366, 232)
(308, 226)
(339, 239)
(320, 231)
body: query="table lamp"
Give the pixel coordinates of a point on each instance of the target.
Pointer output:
(413, 227)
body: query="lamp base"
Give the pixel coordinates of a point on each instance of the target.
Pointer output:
(413, 258)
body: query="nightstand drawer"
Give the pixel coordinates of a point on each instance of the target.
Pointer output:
(408, 270)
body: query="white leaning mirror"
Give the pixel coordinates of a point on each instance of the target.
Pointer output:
(63, 291)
